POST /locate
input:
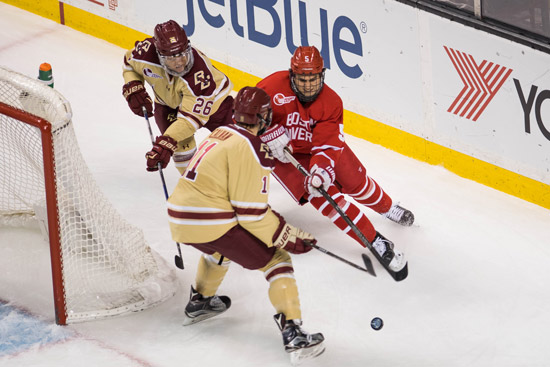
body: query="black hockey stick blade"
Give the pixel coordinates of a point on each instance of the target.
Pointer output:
(396, 275)
(368, 264)
(179, 262)
(401, 274)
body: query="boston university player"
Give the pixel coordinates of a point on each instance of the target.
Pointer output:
(307, 119)
(219, 206)
(189, 92)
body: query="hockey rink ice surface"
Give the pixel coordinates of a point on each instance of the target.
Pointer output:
(478, 291)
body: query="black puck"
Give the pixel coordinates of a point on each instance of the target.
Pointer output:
(376, 323)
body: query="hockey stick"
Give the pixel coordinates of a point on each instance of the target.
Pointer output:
(368, 263)
(178, 258)
(396, 275)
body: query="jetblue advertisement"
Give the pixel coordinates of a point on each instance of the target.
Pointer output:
(397, 66)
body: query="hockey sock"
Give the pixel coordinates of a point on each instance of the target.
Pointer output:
(209, 274)
(283, 291)
(371, 195)
(350, 209)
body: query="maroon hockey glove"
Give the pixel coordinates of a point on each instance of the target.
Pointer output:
(291, 238)
(137, 97)
(319, 178)
(161, 153)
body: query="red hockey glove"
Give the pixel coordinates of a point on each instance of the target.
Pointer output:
(277, 139)
(137, 96)
(161, 153)
(319, 178)
(292, 239)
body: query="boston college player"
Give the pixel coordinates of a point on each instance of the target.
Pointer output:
(219, 206)
(189, 92)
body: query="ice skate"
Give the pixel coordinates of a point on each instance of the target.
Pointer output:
(400, 215)
(298, 343)
(385, 248)
(201, 308)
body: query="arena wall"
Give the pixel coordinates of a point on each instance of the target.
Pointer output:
(424, 86)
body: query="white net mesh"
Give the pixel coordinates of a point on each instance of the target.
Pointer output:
(107, 266)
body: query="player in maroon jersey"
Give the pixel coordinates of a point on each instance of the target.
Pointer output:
(189, 92)
(220, 207)
(307, 119)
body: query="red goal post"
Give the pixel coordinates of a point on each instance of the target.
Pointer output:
(101, 265)
(51, 198)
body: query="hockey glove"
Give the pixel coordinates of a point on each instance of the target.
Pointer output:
(162, 151)
(292, 239)
(277, 139)
(319, 178)
(137, 96)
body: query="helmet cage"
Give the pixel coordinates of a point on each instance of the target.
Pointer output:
(306, 60)
(171, 42)
(302, 96)
(187, 55)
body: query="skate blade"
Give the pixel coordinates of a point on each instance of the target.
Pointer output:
(301, 355)
(190, 320)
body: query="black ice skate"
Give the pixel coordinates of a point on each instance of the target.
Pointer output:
(400, 215)
(300, 344)
(201, 308)
(385, 248)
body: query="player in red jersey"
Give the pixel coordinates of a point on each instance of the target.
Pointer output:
(307, 119)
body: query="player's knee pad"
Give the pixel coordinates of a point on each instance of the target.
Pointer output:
(184, 152)
(217, 258)
(210, 273)
(360, 188)
(280, 263)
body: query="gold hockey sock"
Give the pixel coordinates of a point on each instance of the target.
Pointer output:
(209, 274)
(283, 291)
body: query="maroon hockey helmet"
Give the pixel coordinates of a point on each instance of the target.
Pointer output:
(173, 48)
(250, 105)
(170, 38)
(307, 73)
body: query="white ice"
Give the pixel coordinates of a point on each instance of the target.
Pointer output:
(479, 260)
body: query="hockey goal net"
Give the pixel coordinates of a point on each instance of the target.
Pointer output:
(101, 265)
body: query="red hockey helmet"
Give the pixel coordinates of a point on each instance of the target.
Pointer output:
(250, 106)
(173, 48)
(307, 74)
(306, 60)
